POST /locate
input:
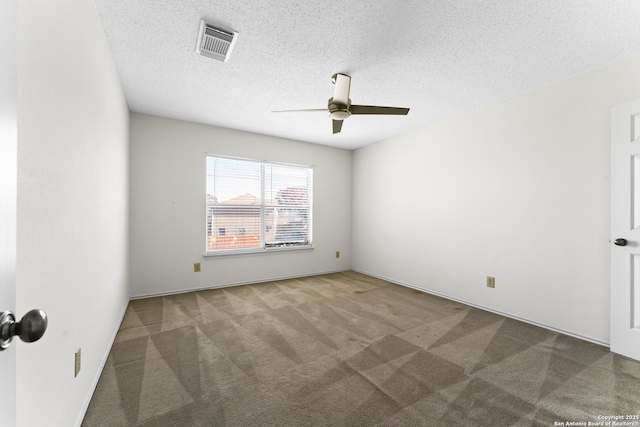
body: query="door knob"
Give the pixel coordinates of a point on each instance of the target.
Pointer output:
(30, 328)
(620, 242)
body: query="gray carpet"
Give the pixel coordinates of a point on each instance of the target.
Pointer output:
(347, 349)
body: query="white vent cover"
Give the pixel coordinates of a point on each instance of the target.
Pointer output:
(215, 42)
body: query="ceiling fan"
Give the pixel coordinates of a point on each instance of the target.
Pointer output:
(340, 107)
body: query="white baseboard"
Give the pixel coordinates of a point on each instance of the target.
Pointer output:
(509, 315)
(96, 378)
(228, 285)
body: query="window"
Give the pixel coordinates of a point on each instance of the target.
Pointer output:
(255, 206)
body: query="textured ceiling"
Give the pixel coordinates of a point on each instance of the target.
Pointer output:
(439, 58)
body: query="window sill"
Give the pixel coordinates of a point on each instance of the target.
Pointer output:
(261, 251)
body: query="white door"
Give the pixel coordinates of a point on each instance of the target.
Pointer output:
(8, 187)
(625, 229)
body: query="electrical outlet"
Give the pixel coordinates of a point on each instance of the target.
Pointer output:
(196, 267)
(337, 254)
(491, 282)
(77, 362)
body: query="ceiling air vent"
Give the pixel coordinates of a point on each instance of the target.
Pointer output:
(215, 42)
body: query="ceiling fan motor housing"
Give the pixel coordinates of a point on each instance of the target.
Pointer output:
(338, 111)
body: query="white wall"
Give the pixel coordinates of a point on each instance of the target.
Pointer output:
(518, 190)
(72, 205)
(168, 207)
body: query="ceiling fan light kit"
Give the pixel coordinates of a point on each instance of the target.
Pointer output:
(339, 111)
(340, 107)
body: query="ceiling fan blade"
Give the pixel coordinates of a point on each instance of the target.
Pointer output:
(300, 111)
(337, 126)
(374, 109)
(343, 85)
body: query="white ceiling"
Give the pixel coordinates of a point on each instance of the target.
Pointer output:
(439, 58)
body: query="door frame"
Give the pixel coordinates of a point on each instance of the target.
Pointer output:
(8, 196)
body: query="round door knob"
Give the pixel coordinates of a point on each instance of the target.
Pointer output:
(620, 242)
(30, 328)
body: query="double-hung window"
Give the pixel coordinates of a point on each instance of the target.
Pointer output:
(256, 206)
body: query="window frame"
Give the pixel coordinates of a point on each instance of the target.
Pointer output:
(263, 206)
